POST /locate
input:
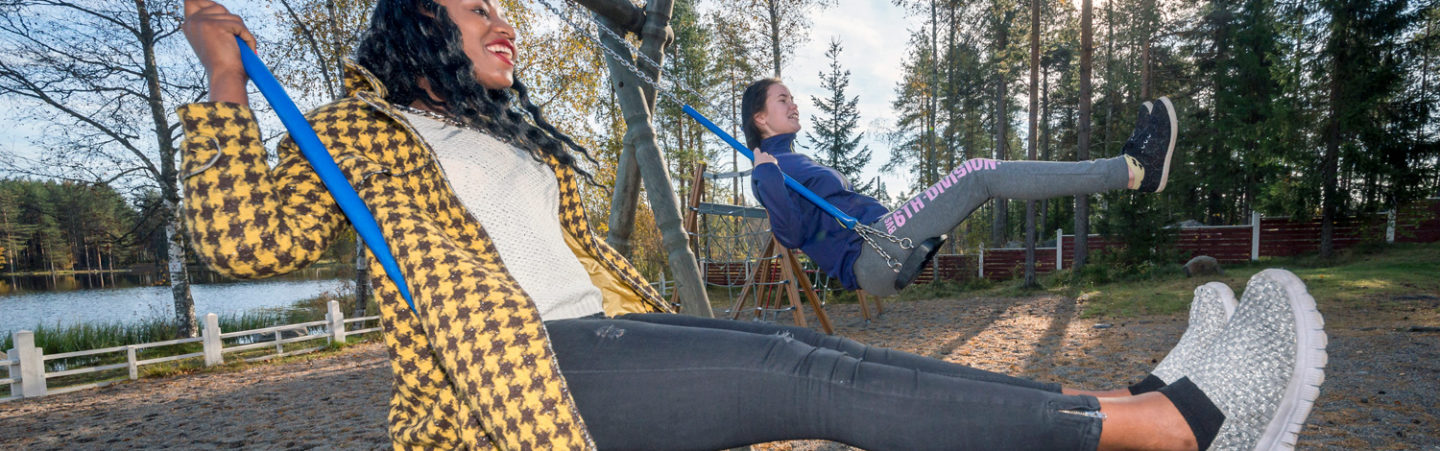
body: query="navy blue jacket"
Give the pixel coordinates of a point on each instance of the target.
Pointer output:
(799, 224)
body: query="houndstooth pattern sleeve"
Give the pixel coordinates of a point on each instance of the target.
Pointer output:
(244, 219)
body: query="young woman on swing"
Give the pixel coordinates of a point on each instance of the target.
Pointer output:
(530, 333)
(771, 118)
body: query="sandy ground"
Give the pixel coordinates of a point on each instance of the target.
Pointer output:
(1379, 394)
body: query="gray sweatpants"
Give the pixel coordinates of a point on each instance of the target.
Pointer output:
(945, 204)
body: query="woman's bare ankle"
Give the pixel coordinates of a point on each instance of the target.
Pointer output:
(1147, 421)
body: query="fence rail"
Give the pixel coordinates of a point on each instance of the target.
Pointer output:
(362, 319)
(26, 364)
(1262, 237)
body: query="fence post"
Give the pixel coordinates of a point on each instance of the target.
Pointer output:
(12, 363)
(130, 359)
(31, 362)
(981, 265)
(12, 370)
(1390, 226)
(1254, 236)
(337, 322)
(214, 348)
(1059, 249)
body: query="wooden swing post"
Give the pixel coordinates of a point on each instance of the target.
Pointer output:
(641, 152)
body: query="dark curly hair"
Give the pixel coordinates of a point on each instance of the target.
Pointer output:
(408, 39)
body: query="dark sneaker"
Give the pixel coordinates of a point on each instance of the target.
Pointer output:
(1150, 147)
(1264, 371)
(1209, 313)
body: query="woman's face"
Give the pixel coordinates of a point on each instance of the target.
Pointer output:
(780, 114)
(487, 39)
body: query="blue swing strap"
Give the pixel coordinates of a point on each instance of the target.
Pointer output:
(869, 234)
(325, 167)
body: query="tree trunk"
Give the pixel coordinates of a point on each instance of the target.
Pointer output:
(1146, 54)
(1001, 206)
(1111, 97)
(179, 278)
(1045, 143)
(641, 137)
(1329, 164)
(337, 63)
(10, 263)
(951, 103)
(1082, 151)
(169, 182)
(951, 106)
(1034, 135)
(1425, 82)
(774, 10)
(362, 278)
(934, 100)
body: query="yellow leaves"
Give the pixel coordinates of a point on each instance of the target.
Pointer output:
(327, 29)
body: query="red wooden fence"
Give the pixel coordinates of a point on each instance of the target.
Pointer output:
(1277, 237)
(1274, 237)
(1419, 223)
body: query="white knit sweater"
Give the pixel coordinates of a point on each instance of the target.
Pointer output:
(517, 200)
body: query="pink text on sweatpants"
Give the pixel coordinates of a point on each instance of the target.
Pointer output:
(909, 209)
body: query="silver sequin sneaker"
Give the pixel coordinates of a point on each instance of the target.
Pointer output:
(1213, 305)
(1264, 371)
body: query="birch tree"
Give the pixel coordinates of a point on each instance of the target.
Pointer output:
(104, 76)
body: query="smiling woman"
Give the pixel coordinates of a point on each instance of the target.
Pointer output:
(479, 202)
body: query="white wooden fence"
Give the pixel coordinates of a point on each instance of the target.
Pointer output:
(26, 363)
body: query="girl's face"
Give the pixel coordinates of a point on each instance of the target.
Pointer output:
(780, 114)
(487, 39)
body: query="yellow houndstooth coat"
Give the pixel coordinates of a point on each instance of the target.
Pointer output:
(474, 369)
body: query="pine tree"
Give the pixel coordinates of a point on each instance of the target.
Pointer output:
(687, 62)
(1364, 74)
(835, 141)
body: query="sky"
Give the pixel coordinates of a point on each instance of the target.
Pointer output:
(873, 52)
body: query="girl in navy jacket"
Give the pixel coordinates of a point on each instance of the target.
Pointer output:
(771, 119)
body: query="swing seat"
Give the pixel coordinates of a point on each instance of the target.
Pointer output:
(915, 263)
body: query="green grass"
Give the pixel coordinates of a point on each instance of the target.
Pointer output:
(80, 337)
(1355, 276)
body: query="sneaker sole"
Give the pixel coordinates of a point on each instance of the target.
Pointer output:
(1170, 151)
(1310, 360)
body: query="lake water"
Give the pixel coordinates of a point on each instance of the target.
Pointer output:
(33, 300)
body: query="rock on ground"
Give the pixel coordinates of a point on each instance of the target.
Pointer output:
(1202, 265)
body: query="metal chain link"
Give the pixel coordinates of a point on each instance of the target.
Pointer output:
(666, 88)
(675, 84)
(624, 61)
(868, 233)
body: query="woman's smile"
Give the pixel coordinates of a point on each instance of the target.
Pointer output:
(504, 50)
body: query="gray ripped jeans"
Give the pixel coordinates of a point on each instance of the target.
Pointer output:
(675, 382)
(942, 206)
